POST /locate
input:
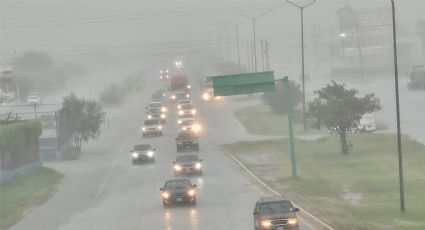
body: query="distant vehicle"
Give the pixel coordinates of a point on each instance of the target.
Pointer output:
(34, 99)
(275, 213)
(143, 153)
(187, 164)
(178, 191)
(185, 117)
(180, 95)
(187, 140)
(207, 89)
(416, 77)
(187, 109)
(164, 75)
(366, 123)
(179, 82)
(152, 127)
(157, 105)
(191, 125)
(182, 102)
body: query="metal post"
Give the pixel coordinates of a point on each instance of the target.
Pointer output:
(290, 128)
(359, 45)
(400, 154)
(15, 71)
(237, 46)
(35, 111)
(262, 55)
(255, 47)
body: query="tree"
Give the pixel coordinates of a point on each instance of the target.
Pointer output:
(339, 107)
(82, 119)
(276, 98)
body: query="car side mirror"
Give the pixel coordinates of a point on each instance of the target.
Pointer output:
(161, 189)
(296, 209)
(194, 186)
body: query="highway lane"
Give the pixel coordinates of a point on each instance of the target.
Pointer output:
(103, 190)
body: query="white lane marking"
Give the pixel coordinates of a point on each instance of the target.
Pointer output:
(28, 211)
(106, 178)
(274, 191)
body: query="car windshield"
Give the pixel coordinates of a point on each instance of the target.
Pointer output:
(187, 158)
(155, 105)
(187, 106)
(188, 122)
(177, 184)
(142, 147)
(276, 207)
(151, 122)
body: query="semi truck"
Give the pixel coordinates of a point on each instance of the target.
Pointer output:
(207, 89)
(179, 85)
(416, 77)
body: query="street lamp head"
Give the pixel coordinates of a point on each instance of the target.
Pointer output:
(301, 3)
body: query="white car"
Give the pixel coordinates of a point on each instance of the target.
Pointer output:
(367, 123)
(34, 100)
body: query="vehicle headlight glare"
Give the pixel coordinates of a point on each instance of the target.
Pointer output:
(177, 167)
(163, 109)
(179, 107)
(150, 154)
(187, 95)
(135, 155)
(196, 128)
(160, 127)
(198, 165)
(163, 116)
(179, 121)
(143, 129)
(205, 96)
(193, 111)
(165, 195)
(292, 221)
(266, 223)
(181, 112)
(191, 192)
(173, 97)
(149, 116)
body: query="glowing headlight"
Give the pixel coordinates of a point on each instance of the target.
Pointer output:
(161, 71)
(143, 129)
(179, 121)
(181, 112)
(160, 77)
(150, 154)
(179, 107)
(173, 97)
(266, 223)
(149, 116)
(165, 195)
(160, 127)
(177, 167)
(191, 193)
(187, 95)
(292, 221)
(198, 165)
(205, 96)
(163, 116)
(163, 109)
(193, 111)
(168, 76)
(188, 86)
(135, 155)
(184, 128)
(196, 128)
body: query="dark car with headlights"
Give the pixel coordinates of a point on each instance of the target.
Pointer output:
(187, 164)
(143, 153)
(178, 191)
(275, 213)
(151, 126)
(187, 140)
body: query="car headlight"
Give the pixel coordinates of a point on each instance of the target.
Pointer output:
(181, 112)
(205, 96)
(173, 97)
(135, 155)
(163, 109)
(196, 128)
(266, 223)
(143, 128)
(184, 128)
(198, 165)
(160, 127)
(179, 107)
(292, 221)
(188, 86)
(187, 95)
(150, 153)
(165, 195)
(193, 111)
(191, 193)
(177, 167)
(163, 116)
(149, 116)
(179, 121)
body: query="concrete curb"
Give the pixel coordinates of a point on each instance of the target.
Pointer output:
(304, 213)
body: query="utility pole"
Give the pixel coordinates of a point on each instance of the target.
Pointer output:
(248, 59)
(359, 46)
(262, 54)
(267, 56)
(301, 7)
(15, 74)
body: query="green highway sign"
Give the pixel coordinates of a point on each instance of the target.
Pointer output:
(247, 83)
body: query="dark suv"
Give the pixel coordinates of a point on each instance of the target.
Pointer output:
(187, 164)
(275, 213)
(187, 140)
(178, 191)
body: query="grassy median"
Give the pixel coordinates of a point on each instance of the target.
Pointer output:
(355, 191)
(20, 195)
(261, 120)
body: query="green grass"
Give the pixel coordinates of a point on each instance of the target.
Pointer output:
(369, 172)
(70, 154)
(260, 120)
(19, 195)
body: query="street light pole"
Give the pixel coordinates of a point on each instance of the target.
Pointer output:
(301, 7)
(400, 155)
(253, 19)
